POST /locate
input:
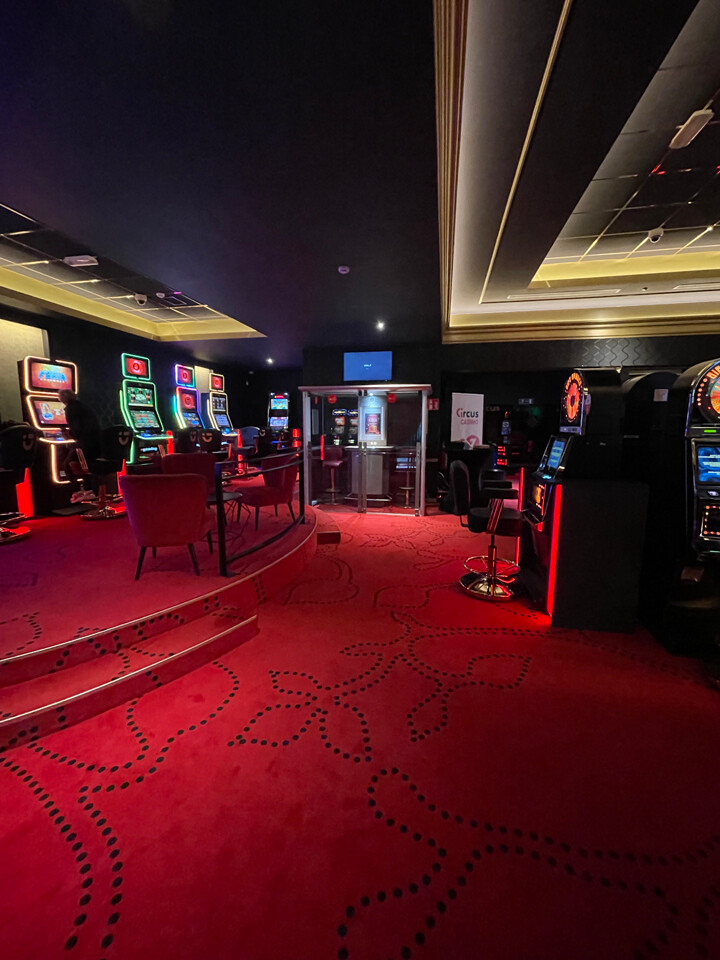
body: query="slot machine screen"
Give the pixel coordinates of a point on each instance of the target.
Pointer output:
(218, 404)
(140, 396)
(191, 418)
(278, 403)
(222, 421)
(136, 366)
(277, 423)
(50, 376)
(556, 452)
(708, 465)
(49, 413)
(145, 420)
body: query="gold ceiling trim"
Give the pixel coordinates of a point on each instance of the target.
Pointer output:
(703, 265)
(60, 299)
(548, 323)
(544, 83)
(450, 36)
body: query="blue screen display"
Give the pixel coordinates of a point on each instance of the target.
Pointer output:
(556, 451)
(708, 461)
(370, 367)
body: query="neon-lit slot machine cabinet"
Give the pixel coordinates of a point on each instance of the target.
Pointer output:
(278, 416)
(684, 580)
(581, 546)
(40, 381)
(138, 403)
(215, 404)
(186, 400)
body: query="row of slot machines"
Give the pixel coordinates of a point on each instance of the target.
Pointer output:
(42, 378)
(623, 511)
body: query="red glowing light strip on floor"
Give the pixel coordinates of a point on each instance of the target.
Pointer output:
(553, 549)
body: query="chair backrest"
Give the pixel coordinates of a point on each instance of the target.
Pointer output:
(18, 448)
(334, 454)
(116, 442)
(211, 441)
(247, 436)
(278, 479)
(199, 463)
(187, 440)
(165, 510)
(460, 488)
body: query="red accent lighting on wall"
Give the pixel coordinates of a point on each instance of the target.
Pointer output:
(332, 398)
(552, 570)
(391, 397)
(24, 496)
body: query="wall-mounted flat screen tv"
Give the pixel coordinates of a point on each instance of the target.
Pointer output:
(368, 367)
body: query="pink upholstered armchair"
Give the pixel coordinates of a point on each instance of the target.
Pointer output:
(167, 511)
(278, 487)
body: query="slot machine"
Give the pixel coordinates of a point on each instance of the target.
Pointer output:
(278, 416)
(186, 400)
(684, 578)
(581, 547)
(138, 403)
(352, 428)
(338, 426)
(217, 414)
(40, 381)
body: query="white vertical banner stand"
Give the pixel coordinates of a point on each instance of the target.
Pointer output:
(467, 418)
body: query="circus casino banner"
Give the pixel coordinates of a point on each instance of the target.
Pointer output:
(467, 418)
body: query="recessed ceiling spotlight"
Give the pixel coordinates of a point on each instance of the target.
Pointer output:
(81, 260)
(160, 295)
(656, 235)
(711, 227)
(343, 270)
(270, 360)
(380, 324)
(691, 128)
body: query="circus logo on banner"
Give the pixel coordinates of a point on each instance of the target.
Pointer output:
(467, 418)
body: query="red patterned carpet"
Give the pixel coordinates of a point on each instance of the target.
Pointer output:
(389, 769)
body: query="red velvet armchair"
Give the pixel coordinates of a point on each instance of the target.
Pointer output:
(204, 464)
(167, 511)
(278, 485)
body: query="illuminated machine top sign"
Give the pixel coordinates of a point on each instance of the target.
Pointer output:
(707, 395)
(47, 376)
(217, 382)
(574, 400)
(137, 368)
(184, 376)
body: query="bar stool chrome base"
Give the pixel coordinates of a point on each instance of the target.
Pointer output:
(103, 513)
(11, 535)
(506, 569)
(483, 587)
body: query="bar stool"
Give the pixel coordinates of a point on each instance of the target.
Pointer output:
(492, 584)
(18, 447)
(334, 459)
(115, 444)
(406, 463)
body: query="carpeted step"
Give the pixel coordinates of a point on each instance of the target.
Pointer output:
(43, 704)
(61, 656)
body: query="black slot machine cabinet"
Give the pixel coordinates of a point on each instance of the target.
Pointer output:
(687, 545)
(138, 403)
(338, 426)
(278, 417)
(581, 546)
(351, 437)
(41, 379)
(217, 414)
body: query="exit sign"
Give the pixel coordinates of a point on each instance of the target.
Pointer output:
(525, 401)
(433, 403)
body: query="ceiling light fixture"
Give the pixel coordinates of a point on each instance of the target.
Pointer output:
(81, 260)
(344, 270)
(691, 128)
(380, 324)
(270, 360)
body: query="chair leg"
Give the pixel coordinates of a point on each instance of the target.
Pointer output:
(191, 548)
(209, 540)
(154, 550)
(292, 514)
(257, 516)
(141, 557)
(275, 505)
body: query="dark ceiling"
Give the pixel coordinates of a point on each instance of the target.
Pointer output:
(239, 152)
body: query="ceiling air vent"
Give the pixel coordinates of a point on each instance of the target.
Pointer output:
(81, 260)
(691, 128)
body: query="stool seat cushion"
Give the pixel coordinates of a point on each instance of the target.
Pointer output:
(510, 523)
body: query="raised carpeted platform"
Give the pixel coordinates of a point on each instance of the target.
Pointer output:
(388, 769)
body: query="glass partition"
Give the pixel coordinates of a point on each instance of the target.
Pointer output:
(364, 447)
